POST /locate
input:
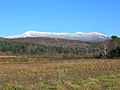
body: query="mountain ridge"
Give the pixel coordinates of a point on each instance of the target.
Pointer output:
(90, 37)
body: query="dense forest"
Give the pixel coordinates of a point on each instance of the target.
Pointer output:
(107, 49)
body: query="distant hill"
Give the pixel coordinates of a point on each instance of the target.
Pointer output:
(1, 38)
(39, 40)
(87, 37)
(46, 46)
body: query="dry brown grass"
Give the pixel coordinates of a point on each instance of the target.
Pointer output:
(44, 74)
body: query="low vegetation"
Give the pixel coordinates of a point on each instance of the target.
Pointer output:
(40, 73)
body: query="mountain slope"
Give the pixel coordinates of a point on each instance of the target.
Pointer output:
(39, 40)
(1, 38)
(90, 37)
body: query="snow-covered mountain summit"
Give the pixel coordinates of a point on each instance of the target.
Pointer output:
(92, 36)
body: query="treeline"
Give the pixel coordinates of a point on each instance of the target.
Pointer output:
(54, 49)
(115, 51)
(108, 49)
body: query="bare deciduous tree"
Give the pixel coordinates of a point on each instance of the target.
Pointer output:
(104, 48)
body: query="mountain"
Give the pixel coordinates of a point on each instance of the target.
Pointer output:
(89, 37)
(40, 40)
(1, 38)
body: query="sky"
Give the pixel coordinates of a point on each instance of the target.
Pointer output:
(19, 16)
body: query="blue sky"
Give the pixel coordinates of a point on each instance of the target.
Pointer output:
(18, 16)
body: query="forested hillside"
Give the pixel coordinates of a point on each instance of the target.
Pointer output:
(26, 48)
(59, 47)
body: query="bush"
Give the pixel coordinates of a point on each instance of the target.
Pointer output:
(115, 53)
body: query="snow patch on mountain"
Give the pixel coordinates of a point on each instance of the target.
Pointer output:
(92, 36)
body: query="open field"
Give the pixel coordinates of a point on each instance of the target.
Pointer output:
(39, 73)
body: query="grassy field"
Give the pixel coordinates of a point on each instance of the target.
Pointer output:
(39, 73)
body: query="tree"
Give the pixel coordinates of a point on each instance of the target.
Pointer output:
(104, 49)
(114, 37)
(115, 53)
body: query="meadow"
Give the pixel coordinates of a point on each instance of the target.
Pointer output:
(41, 73)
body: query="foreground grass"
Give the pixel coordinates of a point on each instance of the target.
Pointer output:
(54, 74)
